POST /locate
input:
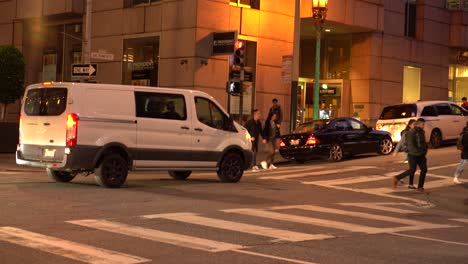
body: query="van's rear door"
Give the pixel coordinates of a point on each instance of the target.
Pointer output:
(43, 122)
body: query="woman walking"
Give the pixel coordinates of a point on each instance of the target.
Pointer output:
(269, 140)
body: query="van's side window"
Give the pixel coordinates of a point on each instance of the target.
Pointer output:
(46, 102)
(160, 105)
(209, 114)
(429, 111)
(456, 110)
(443, 109)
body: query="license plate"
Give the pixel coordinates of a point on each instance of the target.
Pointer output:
(295, 142)
(49, 153)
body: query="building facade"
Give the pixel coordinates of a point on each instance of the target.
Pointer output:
(374, 52)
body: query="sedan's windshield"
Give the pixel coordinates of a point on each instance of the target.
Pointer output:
(311, 127)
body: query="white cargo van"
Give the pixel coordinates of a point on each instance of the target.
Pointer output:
(71, 128)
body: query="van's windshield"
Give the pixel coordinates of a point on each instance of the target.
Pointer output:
(399, 111)
(46, 101)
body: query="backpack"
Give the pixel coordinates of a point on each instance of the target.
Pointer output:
(460, 142)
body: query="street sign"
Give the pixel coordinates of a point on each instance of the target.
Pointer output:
(84, 70)
(102, 56)
(223, 42)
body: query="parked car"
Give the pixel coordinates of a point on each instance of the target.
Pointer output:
(334, 139)
(71, 128)
(444, 120)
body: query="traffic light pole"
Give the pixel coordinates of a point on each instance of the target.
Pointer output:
(241, 95)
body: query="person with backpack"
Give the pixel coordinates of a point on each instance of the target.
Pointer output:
(401, 146)
(417, 150)
(462, 145)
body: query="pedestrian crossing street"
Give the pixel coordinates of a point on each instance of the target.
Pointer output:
(378, 218)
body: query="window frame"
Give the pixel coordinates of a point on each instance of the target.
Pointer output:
(226, 119)
(140, 110)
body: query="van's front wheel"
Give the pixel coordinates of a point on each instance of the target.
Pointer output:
(60, 176)
(112, 171)
(231, 168)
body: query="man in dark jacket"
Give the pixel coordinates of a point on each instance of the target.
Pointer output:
(276, 109)
(464, 154)
(254, 127)
(417, 150)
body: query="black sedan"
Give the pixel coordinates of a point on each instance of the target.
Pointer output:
(335, 139)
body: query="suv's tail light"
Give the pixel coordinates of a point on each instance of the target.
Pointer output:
(379, 126)
(312, 140)
(281, 144)
(72, 130)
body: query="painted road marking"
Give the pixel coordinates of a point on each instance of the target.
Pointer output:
(388, 207)
(346, 181)
(412, 224)
(279, 234)
(272, 257)
(156, 235)
(305, 220)
(462, 220)
(317, 173)
(432, 239)
(67, 249)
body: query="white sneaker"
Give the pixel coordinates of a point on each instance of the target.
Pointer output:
(255, 168)
(264, 165)
(457, 181)
(272, 167)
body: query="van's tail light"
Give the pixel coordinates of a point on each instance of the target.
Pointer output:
(72, 130)
(312, 140)
(282, 144)
(20, 129)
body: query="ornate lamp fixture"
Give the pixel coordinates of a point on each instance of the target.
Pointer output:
(319, 10)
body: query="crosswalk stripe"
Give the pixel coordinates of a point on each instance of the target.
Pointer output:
(305, 220)
(156, 235)
(383, 207)
(64, 248)
(462, 220)
(282, 170)
(240, 227)
(345, 181)
(318, 173)
(389, 219)
(443, 166)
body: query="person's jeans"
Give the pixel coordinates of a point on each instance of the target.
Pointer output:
(460, 167)
(420, 161)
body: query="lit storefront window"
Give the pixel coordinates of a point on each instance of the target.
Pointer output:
(140, 61)
(458, 82)
(411, 84)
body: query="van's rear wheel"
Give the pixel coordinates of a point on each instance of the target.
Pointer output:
(112, 171)
(436, 139)
(60, 176)
(180, 175)
(231, 168)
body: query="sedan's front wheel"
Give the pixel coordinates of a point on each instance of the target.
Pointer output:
(336, 153)
(385, 146)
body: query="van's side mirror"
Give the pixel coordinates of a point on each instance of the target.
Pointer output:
(229, 124)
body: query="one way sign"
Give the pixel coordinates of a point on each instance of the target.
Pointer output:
(79, 70)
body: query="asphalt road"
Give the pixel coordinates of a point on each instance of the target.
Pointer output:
(318, 212)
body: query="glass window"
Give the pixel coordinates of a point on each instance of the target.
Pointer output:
(410, 18)
(411, 84)
(443, 109)
(140, 61)
(341, 125)
(399, 111)
(356, 125)
(429, 111)
(255, 4)
(160, 105)
(209, 114)
(132, 3)
(456, 110)
(311, 127)
(46, 102)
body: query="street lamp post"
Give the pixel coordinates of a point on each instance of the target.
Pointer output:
(319, 12)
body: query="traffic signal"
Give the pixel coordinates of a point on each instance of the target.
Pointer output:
(239, 53)
(234, 87)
